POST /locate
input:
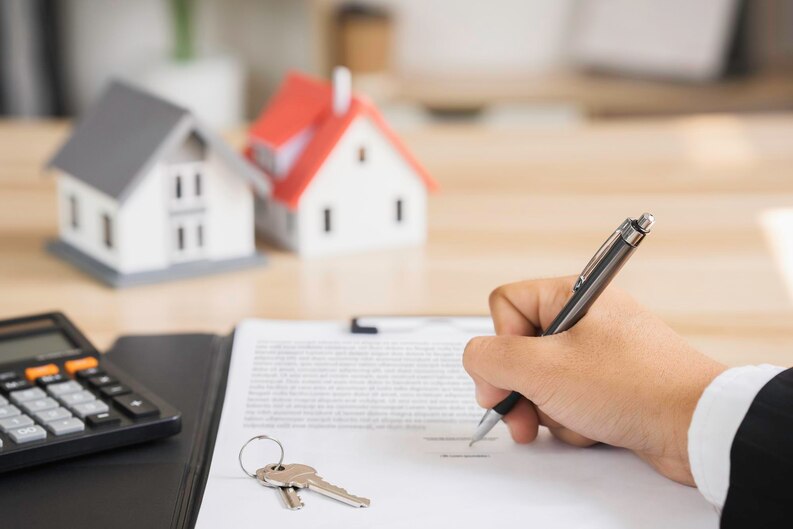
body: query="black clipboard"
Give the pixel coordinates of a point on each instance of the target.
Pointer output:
(155, 485)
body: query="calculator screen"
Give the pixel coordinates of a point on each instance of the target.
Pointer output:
(22, 347)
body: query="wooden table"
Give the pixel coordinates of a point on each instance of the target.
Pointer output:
(514, 204)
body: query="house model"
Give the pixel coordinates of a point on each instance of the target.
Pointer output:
(341, 179)
(147, 193)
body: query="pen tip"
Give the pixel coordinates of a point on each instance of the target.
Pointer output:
(471, 443)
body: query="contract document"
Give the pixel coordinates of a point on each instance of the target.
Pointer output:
(389, 416)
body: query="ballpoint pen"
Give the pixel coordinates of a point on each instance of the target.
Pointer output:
(594, 279)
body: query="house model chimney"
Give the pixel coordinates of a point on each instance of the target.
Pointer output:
(342, 90)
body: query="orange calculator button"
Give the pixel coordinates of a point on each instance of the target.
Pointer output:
(32, 373)
(73, 366)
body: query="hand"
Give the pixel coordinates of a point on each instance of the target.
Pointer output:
(619, 376)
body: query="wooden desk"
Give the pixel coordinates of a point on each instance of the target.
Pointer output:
(514, 204)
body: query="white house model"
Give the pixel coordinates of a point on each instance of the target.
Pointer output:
(146, 193)
(341, 179)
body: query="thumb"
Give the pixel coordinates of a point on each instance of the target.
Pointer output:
(528, 365)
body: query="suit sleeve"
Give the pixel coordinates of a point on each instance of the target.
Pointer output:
(760, 491)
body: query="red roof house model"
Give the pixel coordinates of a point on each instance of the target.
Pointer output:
(306, 104)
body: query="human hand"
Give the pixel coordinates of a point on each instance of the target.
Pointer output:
(619, 376)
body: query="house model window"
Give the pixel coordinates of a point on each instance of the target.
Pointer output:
(200, 235)
(107, 230)
(198, 184)
(178, 190)
(326, 214)
(399, 217)
(180, 238)
(73, 212)
(362, 154)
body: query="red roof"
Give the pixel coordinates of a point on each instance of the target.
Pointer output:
(302, 102)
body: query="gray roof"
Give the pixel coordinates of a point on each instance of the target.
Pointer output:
(128, 130)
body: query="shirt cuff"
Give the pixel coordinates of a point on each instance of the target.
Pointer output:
(719, 413)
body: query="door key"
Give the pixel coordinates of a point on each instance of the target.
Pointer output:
(289, 495)
(305, 477)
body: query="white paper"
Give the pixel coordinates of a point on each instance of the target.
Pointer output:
(389, 417)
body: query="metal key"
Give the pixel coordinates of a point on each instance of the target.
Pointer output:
(305, 477)
(289, 495)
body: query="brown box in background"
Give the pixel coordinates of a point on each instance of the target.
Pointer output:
(363, 41)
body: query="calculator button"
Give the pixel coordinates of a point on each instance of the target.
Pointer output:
(54, 414)
(62, 388)
(14, 385)
(3, 401)
(46, 380)
(32, 406)
(115, 390)
(24, 395)
(8, 375)
(107, 418)
(8, 411)
(101, 380)
(32, 373)
(15, 422)
(89, 373)
(136, 406)
(27, 434)
(81, 364)
(64, 426)
(89, 408)
(78, 397)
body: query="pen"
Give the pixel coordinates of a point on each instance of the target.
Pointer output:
(594, 279)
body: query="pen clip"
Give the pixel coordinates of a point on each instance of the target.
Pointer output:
(595, 260)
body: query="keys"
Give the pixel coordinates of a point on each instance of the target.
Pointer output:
(305, 477)
(33, 406)
(88, 373)
(81, 364)
(24, 395)
(46, 380)
(115, 390)
(12, 423)
(27, 434)
(33, 373)
(65, 426)
(288, 495)
(62, 388)
(8, 375)
(8, 411)
(136, 406)
(55, 414)
(78, 397)
(106, 418)
(93, 407)
(101, 380)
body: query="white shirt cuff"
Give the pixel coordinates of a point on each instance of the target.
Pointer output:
(719, 413)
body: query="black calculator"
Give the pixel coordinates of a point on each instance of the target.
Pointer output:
(60, 399)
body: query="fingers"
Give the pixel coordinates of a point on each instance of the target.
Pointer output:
(523, 364)
(523, 422)
(527, 307)
(563, 434)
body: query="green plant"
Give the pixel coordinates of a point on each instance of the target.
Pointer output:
(182, 13)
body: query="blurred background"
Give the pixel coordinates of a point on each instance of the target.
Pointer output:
(546, 122)
(502, 62)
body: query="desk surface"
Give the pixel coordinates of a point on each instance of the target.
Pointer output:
(514, 204)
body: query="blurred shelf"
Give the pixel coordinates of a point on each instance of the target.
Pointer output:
(604, 95)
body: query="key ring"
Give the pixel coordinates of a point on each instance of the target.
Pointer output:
(258, 437)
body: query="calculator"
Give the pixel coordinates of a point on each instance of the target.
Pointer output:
(59, 398)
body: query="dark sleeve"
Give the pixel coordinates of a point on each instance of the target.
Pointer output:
(761, 461)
